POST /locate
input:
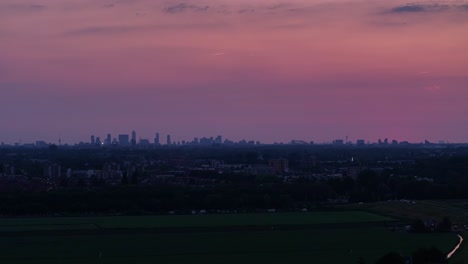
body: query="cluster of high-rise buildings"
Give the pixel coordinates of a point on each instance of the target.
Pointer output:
(129, 140)
(362, 142)
(125, 140)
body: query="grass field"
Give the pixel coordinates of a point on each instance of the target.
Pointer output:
(456, 210)
(208, 220)
(341, 244)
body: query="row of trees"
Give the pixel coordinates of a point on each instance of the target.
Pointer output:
(229, 192)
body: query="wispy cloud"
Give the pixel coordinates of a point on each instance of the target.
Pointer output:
(183, 7)
(289, 26)
(422, 8)
(23, 7)
(124, 29)
(415, 8)
(98, 30)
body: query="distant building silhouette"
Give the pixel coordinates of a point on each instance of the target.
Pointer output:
(156, 139)
(124, 140)
(133, 138)
(338, 142)
(279, 165)
(53, 171)
(168, 140)
(41, 144)
(108, 139)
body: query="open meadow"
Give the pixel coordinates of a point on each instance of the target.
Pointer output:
(199, 220)
(456, 210)
(317, 237)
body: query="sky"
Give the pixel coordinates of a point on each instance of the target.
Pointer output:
(267, 70)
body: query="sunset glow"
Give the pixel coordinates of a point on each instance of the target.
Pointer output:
(262, 70)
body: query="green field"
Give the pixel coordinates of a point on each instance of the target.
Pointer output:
(456, 210)
(209, 220)
(355, 234)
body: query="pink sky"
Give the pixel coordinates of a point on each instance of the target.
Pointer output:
(259, 69)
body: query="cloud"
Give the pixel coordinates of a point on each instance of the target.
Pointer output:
(24, 7)
(103, 30)
(279, 6)
(388, 24)
(122, 29)
(417, 8)
(408, 8)
(182, 7)
(246, 10)
(289, 26)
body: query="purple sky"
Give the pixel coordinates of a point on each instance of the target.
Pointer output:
(259, 69)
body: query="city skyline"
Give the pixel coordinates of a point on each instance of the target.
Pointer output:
(132, 139)
(264, 70)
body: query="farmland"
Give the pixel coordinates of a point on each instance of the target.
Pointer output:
(456, 210)
(318, 237)
(209, 220)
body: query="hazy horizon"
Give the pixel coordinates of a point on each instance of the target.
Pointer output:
(256, 70)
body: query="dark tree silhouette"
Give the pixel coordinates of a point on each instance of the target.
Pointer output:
(391, 258)
(429, 256)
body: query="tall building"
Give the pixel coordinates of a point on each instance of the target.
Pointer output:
(92, 140)
(168, 140)
(279, 165)
(338, 142)
(109, 139)
(52, 171)
(156, 139)
(353, 170)
(41, 144)
(133, 138)
(124, 140)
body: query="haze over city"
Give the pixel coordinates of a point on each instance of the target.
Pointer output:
(261, 70)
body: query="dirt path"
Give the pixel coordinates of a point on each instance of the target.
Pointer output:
(456, 247)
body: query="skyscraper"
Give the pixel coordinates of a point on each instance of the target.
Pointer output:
(133, 138)
(123, 140)
(109, 139)
(92, 140)
(156, 139)
(168, 140)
